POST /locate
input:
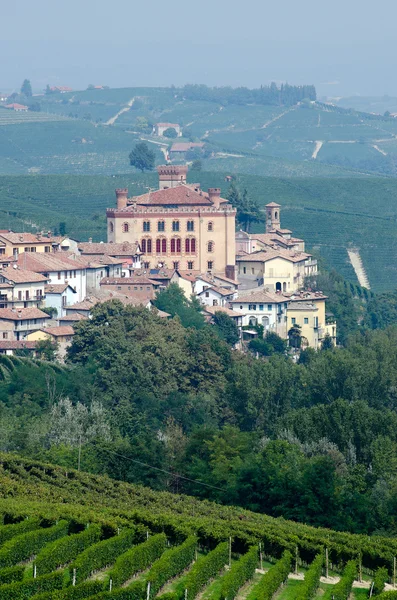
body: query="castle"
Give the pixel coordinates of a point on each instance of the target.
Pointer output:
(178, 226)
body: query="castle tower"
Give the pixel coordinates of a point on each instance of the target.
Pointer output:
(171, 175)
(272, 217)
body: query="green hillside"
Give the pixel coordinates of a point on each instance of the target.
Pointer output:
(330, 214)
(66, 534)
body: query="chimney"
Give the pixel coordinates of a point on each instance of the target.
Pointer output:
(90, 240)
(215, 195)
(122, 197)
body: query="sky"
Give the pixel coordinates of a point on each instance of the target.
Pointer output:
(343, 47)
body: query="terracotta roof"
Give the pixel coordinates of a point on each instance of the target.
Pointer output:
(219, 290)
(28, 238)
(261, 296)
(21, 314)
(138, 279)
(228, 311)
(16, 106)
(73, 317)
(226, 279)
(182, 195)
(302, 306)
(43, 262)
(57, 288)
(22, 275)
(155, 274)
(124, 249)
(185, 146)
(97, 262)
(266, 255)
(273, 205)
(307, 295)
(59, 331)
(86, 304)
(188, 275)
(17, 345)
(167, 124)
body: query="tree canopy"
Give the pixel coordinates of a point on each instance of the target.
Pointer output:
(26, 88)
(142, 158)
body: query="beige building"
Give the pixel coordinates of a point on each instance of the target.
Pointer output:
(20, 288)
(307, 310)
(16, 324)
(13, 244)
(178, 226)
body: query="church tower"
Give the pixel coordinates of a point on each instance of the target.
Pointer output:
(272, 217)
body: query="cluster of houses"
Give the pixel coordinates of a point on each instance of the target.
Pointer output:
(178, 234)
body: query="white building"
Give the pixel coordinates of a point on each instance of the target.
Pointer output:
(59, 296)
(263, 308)
(159, 128)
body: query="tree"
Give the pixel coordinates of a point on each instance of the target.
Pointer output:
(142, 124)
(248, 210)
(35, 107)
(170, 133)
(142, 158)
(328, 343)
(26, 88)
(295, 336)
(62, 228)
(197, 165)
(76, 424)
(47, 349)
(226, 328)
(173, 301)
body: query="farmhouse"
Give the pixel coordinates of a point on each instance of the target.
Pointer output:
(179, 149)
(17, 107)
(159, 128)
(178, 227)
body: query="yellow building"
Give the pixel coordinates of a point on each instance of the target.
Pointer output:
(13, 244)
(178, 226)
(307, 310)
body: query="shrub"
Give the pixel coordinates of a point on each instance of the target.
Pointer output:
(240, 572)
(11, 574)
(137, 559)
(24, 546)
(172, 562)
(342, 589)
(102, 554)
(79, 592)
(205, 569)
(312, 579)
(276, 575)
(62, 551)
(135, 591)
(9, 531)
(381, 577)
(392, 595)
(29, 587)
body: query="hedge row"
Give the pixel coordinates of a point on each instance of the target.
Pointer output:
(136, 591)
(62, 551)
(9, 531)
(387, 595)
(342, 589)
(205, 569)
(29, 587)
(275, 576)
(137, 559)
(11, 574)
(381, 577)
(312, 579)
(240, 572)
(102, 554)
(171, 563)
(24, 546)
(85, 590)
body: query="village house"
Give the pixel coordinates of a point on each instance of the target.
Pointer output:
(179, 150)
(264, 308)
(17, 107)
(61, 335)
(98, 267)
(178, 226)
(12, 244)
(159, 128)
(59, 296)
(307, 311)
(237, 317)
(128, 253)
(58, 269)
(139, 285)
(17, 323)
(216, 296)
(20, 288)
(11, 347)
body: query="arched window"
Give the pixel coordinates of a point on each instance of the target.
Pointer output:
(210, 226)
(161, 226)
(164, 246)
(210, 247)
(111, 228)
(253, 321)
(190, 225)
(278, 286)
(193, 245)
(173, 246)
(265, 322)
(125, 227)
(276, 215)
(158, 246)
(143, 246)
(187, 246)
(178, 246)
(149, 246)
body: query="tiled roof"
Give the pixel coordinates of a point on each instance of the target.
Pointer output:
(138, 279)
(302, 306)
(307, 296)
(16, 106)
(226, 279)
(262, 296)
(273, 205)
(96, 262)
(185, 146)
(57, 288)
(124, 249)
(155, 274)
(21, 275)
(43, 262)
(28, 238)
(218, 290)
(266, 255)
(228, 311)
(17, 344)
(73, 317)
(167, 124)
(59, 331)
(182, 195)
(21, 314)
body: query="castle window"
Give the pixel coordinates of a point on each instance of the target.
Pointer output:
(210, 247)
(210, 265)
(190, 225)
(164, 246)
(161, 246)
(111, 228)
(193, 245)
(176, 246)
(175, 225)
(210, 226)
(176, 265)
(190, 265)
(187, 246)
(161, 226)
(276, 215)
(148, 246)
(146, 226)
(143, 246)
(146, 265)
(125, 227)
(158, 246)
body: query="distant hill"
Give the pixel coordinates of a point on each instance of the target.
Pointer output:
(330, 214)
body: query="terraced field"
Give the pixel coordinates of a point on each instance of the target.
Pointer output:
(87, 536)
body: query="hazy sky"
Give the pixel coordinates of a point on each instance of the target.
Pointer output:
(344, 47)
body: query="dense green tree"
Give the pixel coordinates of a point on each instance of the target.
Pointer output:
(248, 211)
(26, 88)
(226, 328)
(170, 133)
(142, 158)
(174, 301)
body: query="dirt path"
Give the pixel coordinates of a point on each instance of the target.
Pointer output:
(278, 117)
(357, 264)
(379, 150)
(112, 120)
(317, 149)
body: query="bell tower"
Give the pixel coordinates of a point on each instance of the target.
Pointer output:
(272, 217)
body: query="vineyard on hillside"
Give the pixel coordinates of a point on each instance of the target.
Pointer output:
(69, 535)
